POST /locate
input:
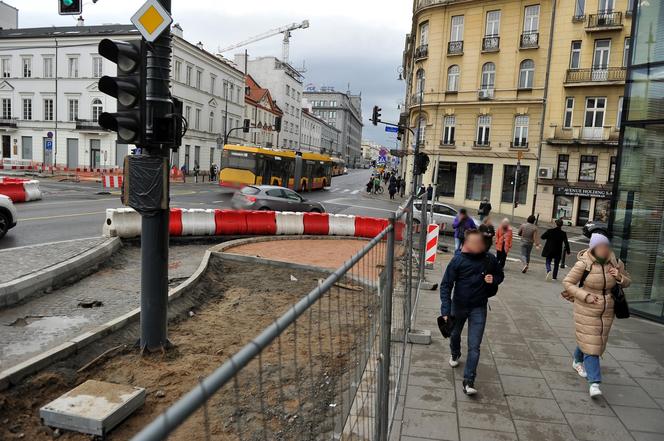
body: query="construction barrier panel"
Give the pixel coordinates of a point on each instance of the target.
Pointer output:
(175, 222)
(290, 223)
(261, 222)
(122, 222)
(19, 189)
(198, 222)
(316, 224)
(369, 226)
(112, 181)
(433, 231)
(342, 225)
(230, 222)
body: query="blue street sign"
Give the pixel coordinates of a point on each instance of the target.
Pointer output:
(49, 144)
(382, 160)
(391, 129)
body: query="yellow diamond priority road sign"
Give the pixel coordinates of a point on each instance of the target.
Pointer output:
(151, 20)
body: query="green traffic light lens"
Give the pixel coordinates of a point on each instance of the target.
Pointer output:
(68, 2)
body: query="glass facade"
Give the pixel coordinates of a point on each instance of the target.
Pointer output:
(637, 222)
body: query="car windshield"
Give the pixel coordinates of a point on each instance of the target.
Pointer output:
(250, 190)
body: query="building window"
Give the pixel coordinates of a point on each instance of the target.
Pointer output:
(619, 115)
(562, 207)
(187, 114)
(6, 108)
(287, 89)
(420, 79)
(187, 76)
(594, 118)
(213, 83)
(579, 9)
(483, 129)
(575, 55)
(6, 67)
(569, 112)
(626, 52)
(424, 33)
(478, 185)
(27, 67)
(456, 33)
(531, 19)
(48, 109)
(521, 131)
(72, 64)
(197, 121)
(27, 108)
(602, 210)
(563, 166)
(612, 169)
(421, 129)
(588, 168)
(492, 24)
(211, 123)
(453, 78)
(602, 53)
(72, 105)
(488, 76)
(199, 79)
(177, 71)
(606, 6)
(449, 126)
(526, 74)
(97, 67)
(509, 175)
(446, 184)
(97, 108)
(48, 67)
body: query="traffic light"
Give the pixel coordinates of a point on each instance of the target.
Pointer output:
(246, 124)
(128, 88)
(421, 163)
(375, 117)
(277, 124)
(70, 7)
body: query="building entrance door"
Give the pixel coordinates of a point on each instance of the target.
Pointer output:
(6, 146)
(584, 212)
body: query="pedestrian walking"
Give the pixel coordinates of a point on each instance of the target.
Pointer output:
(183, 169)
(529, 238)
(429, 193)
(590, 285)
(370, 184)
(488, 232)
(398, 184)
(392, 188)
(503, 241)
(474, 276)
(213, 172)
(376, 183)
(197, 170)
(421, 191)
(485, 209)
(402, 189)
(462, 223)
(556, 244)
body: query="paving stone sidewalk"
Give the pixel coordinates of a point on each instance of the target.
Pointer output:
(527, 388)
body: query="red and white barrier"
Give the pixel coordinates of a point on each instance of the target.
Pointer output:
(433, 231)
(20, 190)
(126, 223)
(112, 181)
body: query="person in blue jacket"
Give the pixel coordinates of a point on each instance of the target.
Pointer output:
(462, 223)
(473, 275)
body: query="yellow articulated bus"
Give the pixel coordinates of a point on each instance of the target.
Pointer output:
(243, 165)
(338, 167)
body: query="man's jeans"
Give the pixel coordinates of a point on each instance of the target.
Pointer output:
(526, 249)
(457, 244)
(556, 265)
(476, 321)
(591, 363)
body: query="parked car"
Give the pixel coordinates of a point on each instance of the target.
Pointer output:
(8, 215)
(442, 214)
(595, 227)
(270, 197)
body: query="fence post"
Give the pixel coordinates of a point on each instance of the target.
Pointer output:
(423, 237)
(409, 267)
(383, 415)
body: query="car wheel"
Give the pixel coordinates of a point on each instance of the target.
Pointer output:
(4, 225)
(315, 210)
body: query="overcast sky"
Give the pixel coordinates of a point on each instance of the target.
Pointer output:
(356, 42)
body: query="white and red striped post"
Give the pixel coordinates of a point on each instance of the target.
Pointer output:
(432, 243)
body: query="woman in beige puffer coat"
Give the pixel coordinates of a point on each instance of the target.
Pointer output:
(593, 305)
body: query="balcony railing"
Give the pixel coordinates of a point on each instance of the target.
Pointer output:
(519, 144)
(449, 144)
(479, 144)
(599, 75)
(485, 93)
(607, 135)
(455, 48)
(491, 43)
(422, 51)
(88, 124)
(8, 122)
(529, 40)
(604, 20)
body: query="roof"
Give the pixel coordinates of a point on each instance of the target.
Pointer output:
(257, 94)
(70, 31)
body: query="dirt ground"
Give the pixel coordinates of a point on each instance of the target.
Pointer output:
(290, 392)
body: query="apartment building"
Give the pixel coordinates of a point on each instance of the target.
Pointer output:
(581, 136)
(263, 112)
(50, 102)
(475, 78)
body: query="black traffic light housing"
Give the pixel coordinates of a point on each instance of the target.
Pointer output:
(246, 124)
(277, 124)
(70, 7)
(375, 116)
(128, 88)
(421, 163)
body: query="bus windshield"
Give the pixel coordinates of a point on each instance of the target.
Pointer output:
(241, 160)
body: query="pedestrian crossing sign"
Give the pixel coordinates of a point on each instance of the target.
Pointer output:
(151, 20)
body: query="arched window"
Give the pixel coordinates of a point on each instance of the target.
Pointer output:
(211, 123)
(419, 85)
(453, 78)
(488, 76)
(526, 74)
(421, 128)
(97, 108)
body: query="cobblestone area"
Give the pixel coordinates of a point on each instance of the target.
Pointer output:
(47, 321)
(19, 262)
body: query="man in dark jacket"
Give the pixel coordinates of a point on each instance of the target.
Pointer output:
(485, 209)
(429, 193)
(553, 248)
(474, 276)
(462, 223)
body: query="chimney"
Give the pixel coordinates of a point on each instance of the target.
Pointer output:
(80, 21)
(177, 30)
(200, 45)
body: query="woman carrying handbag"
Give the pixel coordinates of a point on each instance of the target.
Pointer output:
(595, 286)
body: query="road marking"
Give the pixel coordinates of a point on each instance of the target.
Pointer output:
(355, 192)
(358, 206)
(346, 190)
(60, 216)
(37, 204)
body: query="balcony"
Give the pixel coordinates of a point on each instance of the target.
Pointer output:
(9, 122)
(491, 43)
(604, 21)
(529, 40)
(577, 136)
(595, 76)
(87, 125)
(455, 48)
(519, 144)
(482, 145)
(421, 52)
(486, 93)
(415, 99)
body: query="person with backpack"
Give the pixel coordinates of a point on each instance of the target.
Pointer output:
(474, 276)
(555, 239)
(504, 238)
(462, 222)
(595, 286)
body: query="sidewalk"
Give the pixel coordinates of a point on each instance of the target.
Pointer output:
(527, 388)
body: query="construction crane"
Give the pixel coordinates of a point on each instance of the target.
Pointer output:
(286, 30)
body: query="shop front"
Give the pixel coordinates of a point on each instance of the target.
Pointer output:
(578, 205)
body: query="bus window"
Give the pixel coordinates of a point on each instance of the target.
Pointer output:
(239, 160)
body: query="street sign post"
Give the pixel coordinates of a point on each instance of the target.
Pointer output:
(48, 145)
(151, 20)
(392, 129)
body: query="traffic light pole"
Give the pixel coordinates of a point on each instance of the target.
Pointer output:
(154, 229)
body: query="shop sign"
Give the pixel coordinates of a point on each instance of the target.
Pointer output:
(583, 192)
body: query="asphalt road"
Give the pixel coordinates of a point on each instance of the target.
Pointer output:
(74, 210)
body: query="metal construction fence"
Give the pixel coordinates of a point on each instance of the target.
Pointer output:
(328, 368)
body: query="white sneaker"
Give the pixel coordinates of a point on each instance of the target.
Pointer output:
(454, 362)
(578, 367)
(548, 276)
(595, 390)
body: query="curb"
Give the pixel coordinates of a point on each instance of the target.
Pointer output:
(19, 289)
